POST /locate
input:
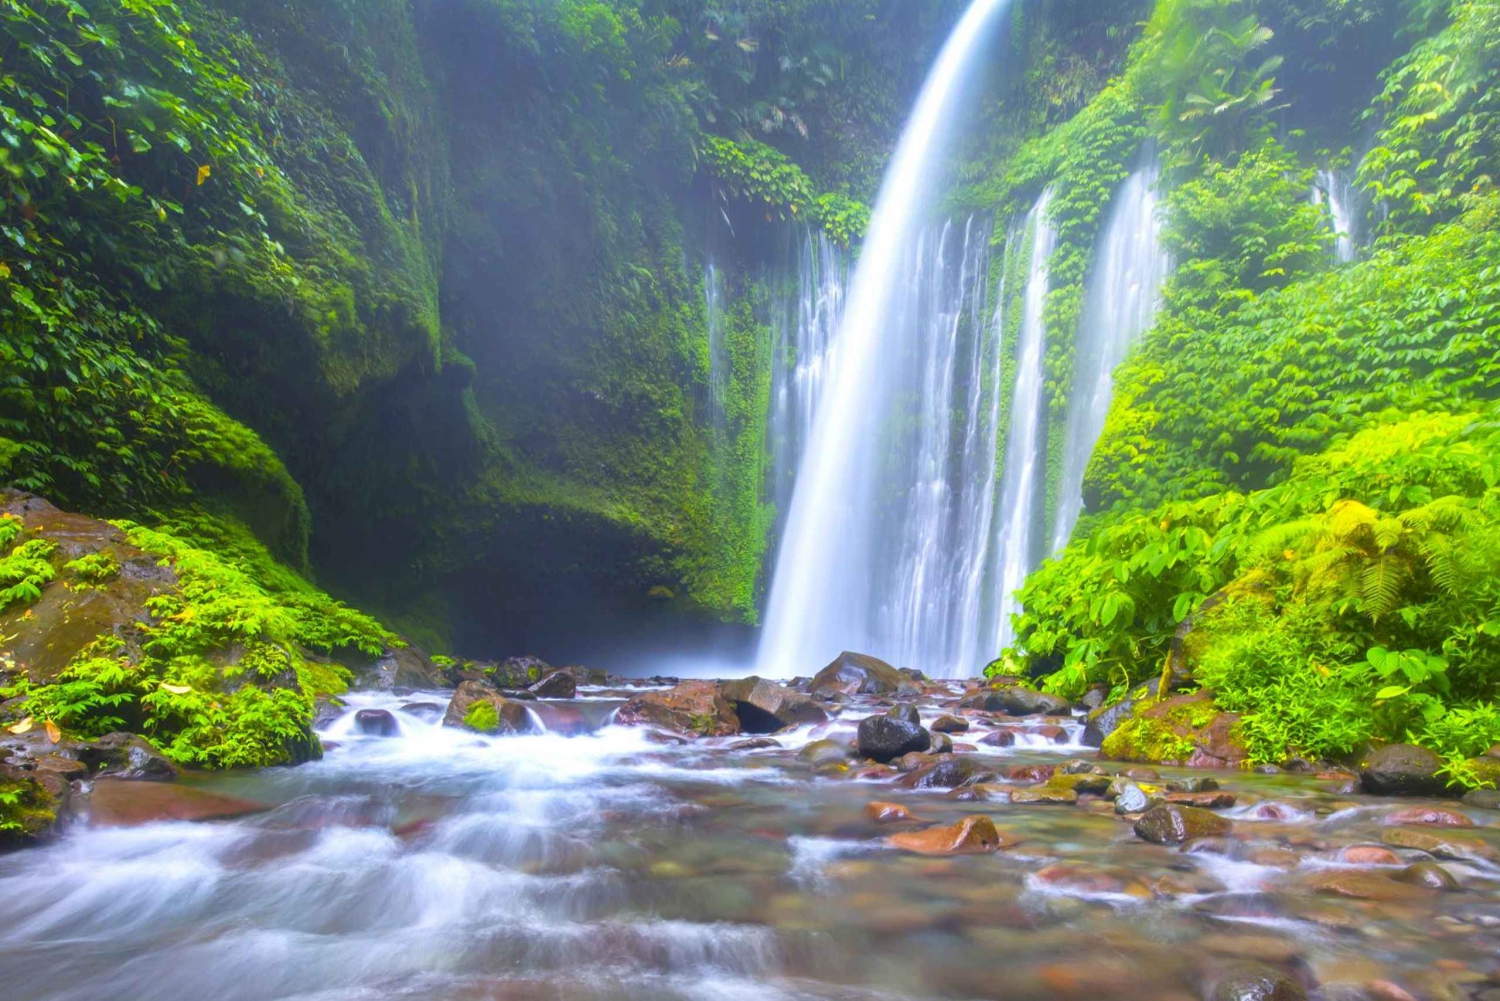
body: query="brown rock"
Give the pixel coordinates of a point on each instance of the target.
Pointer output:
(559, 684)
(856, 674)
(766, 706)
(116, 803)
(1460, 848)
(1003, 737)
(1429, 875)
(949, 724)
(692, 707)
(1427, 816)
(1044, 796)
(1202, 800)
(1403, 770)
(1030, 773)
(1170, 824)
(886, 813)
(512, 714)
(1367, 886)
(1369, 855)
(971, 836)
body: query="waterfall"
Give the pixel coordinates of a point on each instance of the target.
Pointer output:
(1335, 188)
(1120, 302)
(1025, 447)
(804, 317)
(828, 559)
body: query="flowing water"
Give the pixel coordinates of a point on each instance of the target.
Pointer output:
(1121, 298)
(718, 356)
(438, 864)
(822, 598)
(1336, 190)
(1025, 448)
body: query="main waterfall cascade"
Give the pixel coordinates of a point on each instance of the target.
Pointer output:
(820, 590)
(1336, 189)
(1122, 296)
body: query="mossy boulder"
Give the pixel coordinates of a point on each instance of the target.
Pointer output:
(1018, 700)
(766, 706)
(697, 708)
(479, 706)
(1403, 770)
(1184, 730)
(32, 806)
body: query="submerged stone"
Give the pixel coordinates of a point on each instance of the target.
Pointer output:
(971, 836)
(1170, 824)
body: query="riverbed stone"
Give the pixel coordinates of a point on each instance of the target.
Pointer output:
(972, 835)
(1004, 736)
(1170, 824)
(1044, 796)
(767, 706)
(1205, 800)
(127, 757)
(755, 744)
(1442, 844)
(1429, 875)
(1427, 816)
(949, 773)
(512, 714)
(1018, 700)
(1254, 982)
(856, 674)
(1193, 783)
(376, 723)
(1483, 799)
(949, 724)
(557, 685)
(696, 708)
(1403, 770)
(822, 752)
(886, 813)
(117, 803)
(1369, 855)
(886, 737)
(1367, 885)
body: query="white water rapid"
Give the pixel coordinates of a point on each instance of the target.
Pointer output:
(823, 583)
(1123, 292)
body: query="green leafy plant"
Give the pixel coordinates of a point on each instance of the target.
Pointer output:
(482, 716)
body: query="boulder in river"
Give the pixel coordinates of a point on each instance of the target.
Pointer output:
(376, 723)
(971, 836)
(698, 708)
(39, 806)
(949, 773)
(1427, 816)
(767, 706)
(126, 756)
(886, 737)
(949, 724)
(402, 667)
(1453, 845)
(112, 803)
(1429, 875)
(1170, 824)
(1018, 700)
(886, 813)
(1254, 982)
(1403, 770)
(466, 710)
(557, 685)
(822, 752)
(856, 674)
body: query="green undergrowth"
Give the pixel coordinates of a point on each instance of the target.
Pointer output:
(223, 671)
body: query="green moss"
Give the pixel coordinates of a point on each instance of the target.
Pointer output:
(1146, 739)
(483, 717)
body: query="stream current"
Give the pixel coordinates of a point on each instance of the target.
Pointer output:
(439, 864)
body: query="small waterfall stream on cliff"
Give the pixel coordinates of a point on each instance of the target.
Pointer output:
(1335, 188)
(1120, 303)
(825, 592)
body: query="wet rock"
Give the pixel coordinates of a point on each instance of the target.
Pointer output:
(909, 690)
(1081, 766)
(1095, 785)
(518, 672)
(1003, 737)
(1254, 982)
(115, 803)
(1403, 770)
(941, 743)
(1094, 697)
(1044, 796)
(766, 706)
(856, 674)
(1105, 720)
(666, 739)
(557, 685)
(755, 744)
(971, 836)
(1429, 875)
(1358, 885)
(1016, 700)
(691, 707)
(1453, 846)
(887, 813)
(1484, 799)
(1203, 800)
(1030, 773)
(1193, 783)
(886, 737)
(950, 773)
(1142, 774)
(949, 724)
(325, 711)
(562, 719)
(822, 752)
(127, 757)
(1369, 855)
(912, 762)
(1427, 816)
(511, 715)
(376, 723)
(1131, 798)
(40, 809)
(1056, 734)
(1170, 824)
(402, 667)
(424, 710)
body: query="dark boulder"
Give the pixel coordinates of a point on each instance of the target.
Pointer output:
(1107, 719)
(1403, 770)
(857, 674)
(1170, 824)
(950, 773)
(325, 711)
(766, 706)
(1015, 700)
(557, 685)
(127, 757)
(884, 738)
(376, 723)
(402, 667)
